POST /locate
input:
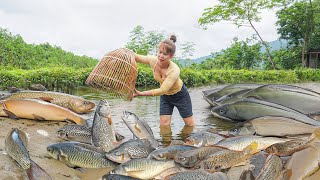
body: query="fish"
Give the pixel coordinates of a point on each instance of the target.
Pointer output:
(16, 142)
(117, 177)
(169, 152)
(130, 149)
(139, 127)
(284, 95)
(78, 133)
(302, 164)
(272, 126)
(198, 174)
(227, 158)
(238, 111)
(103, 134)
(191, 158)
(289, 147)
(215, 95)
(272, 169)
(74, 103)
(240, 142)
(38, 110)
(203, 138)
(75, 154)
(143, 168)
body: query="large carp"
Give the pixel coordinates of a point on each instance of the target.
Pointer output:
(37, 109)
(74, 103)
(15, 145)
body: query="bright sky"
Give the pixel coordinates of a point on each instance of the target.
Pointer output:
(95, 27)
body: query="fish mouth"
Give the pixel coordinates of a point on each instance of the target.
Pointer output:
(221, 117)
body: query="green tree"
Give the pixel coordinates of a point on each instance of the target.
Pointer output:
(187, 50)
(240, 13)
(240, 55)
(300, 23)
(143, 42)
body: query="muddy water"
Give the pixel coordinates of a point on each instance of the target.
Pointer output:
(146, 108)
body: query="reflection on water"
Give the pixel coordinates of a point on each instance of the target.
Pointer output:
(147, 108)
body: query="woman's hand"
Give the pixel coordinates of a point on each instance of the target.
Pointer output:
(136, 93)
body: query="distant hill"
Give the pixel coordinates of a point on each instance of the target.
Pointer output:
(274, 45)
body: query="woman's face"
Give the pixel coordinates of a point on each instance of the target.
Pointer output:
(163, 56)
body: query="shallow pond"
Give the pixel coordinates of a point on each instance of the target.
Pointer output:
(147, 108)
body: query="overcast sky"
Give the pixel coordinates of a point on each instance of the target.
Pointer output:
(95, 27)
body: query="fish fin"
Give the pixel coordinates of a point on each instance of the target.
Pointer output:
(252, 148)
(255, 97)
(119, 137)
(136, 127)
(247, 175)
(48, 99)
(36, 172)
(38, 117)
(10, 114)
(110, 121)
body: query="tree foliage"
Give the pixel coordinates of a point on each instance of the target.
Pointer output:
(16, 53)
(142, 42)
(240, 13)
(240, 55)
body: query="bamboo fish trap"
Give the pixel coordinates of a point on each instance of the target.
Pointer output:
(116, 74)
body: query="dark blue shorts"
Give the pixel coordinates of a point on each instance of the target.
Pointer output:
(181, 100)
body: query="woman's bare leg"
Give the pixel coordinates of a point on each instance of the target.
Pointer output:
(190, 121)
(165, 120)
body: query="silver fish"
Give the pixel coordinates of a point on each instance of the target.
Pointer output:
(15, 146)
(103, 134)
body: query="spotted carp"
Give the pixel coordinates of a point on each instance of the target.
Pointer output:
(15, 145)
(74, 103)
(37, 109)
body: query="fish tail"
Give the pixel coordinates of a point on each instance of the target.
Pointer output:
(36, 172)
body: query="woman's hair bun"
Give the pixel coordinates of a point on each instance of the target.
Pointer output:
(173, 38)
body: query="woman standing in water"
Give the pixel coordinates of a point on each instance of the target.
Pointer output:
(172, 91)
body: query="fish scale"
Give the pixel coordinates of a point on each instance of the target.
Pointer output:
(15, 145)
(143, 168)
(103, 135)
(75, 103)
(79, 156)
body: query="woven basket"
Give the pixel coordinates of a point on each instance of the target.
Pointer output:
(116, 74)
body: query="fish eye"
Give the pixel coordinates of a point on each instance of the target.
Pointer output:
(221, 111)
(182, 158)
(161, 155)
(235, 130)
(48, 149)
(117, 153)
